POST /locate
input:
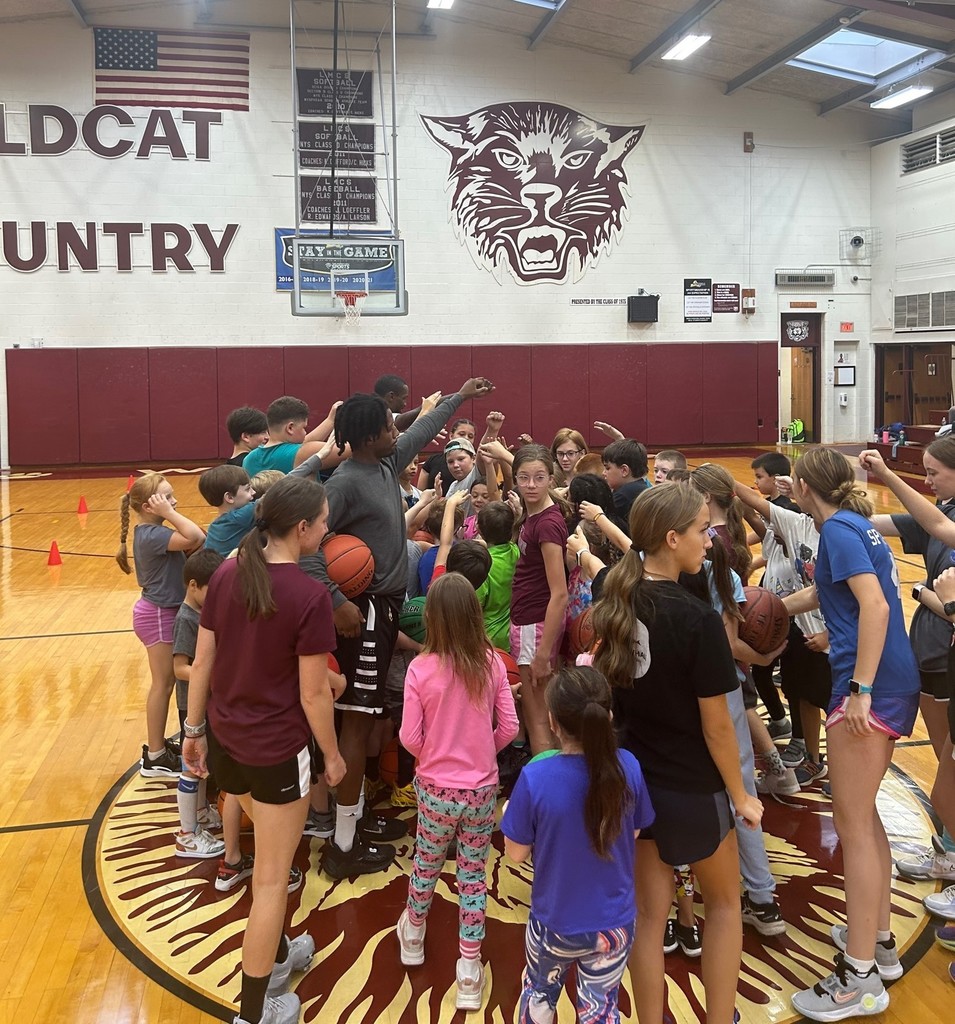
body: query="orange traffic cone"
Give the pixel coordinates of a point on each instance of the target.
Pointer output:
(54, 558)
(82, 508)
(130, 482)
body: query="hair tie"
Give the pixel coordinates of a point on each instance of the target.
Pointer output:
(262, 524)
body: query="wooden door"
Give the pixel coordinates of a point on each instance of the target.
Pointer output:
(931, 382)
(803, 388)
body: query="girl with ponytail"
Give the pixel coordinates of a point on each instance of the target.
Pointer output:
(875, 692)
(159, 554)
(578, 813)
(261, 678)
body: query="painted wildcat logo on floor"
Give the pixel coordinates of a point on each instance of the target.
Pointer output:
(536, 188)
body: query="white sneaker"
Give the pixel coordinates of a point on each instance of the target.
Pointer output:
(934, 863)
(781, 784)
(277, 1010)
(886, 953)
(210, 819)
(411, 940)
(198, 844)
(942, 903)
(470, 977)
(300, 952)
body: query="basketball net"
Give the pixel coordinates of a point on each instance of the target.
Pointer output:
(352, 303)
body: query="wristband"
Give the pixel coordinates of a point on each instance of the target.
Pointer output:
(193, 732)
(582, 551)
(597, 516)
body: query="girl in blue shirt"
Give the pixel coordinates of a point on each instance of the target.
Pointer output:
(875, 689)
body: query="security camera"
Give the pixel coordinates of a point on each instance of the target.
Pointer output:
(857, 241)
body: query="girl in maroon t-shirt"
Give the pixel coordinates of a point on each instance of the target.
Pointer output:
(539, 591)
(261, 667)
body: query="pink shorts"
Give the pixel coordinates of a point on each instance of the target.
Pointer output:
(838, 715)
(152, 624)
(525, 642)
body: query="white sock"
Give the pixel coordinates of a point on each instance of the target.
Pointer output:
(154, 755)
(859, 966)
(187, 797)
(361, 803)
(346, 822)
(881, 936)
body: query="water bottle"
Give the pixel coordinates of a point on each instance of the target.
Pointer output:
(901, 437)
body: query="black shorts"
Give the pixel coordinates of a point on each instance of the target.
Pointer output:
(688, 827)
(934, 684)
(805, 674)
(282, 783)
(750, 696)
(364, 659)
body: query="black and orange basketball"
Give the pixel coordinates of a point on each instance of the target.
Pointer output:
(582, 632)
(246, 823)
(388, 763)
(349, 562)
(513, 672)
(765, 622)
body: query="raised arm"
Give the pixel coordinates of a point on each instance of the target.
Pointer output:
(922, 510)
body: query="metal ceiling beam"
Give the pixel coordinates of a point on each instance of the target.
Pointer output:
(547, 23)
(77, 12)
(903, 12)
(886, 81)
(900, 36)
(670, 35)
(843, 19)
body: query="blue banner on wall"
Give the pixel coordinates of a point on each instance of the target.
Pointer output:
(380, 278)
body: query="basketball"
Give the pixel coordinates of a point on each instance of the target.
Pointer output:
(513, 672)
(582, 632)
(349, 563)
(411, 619)
(333, 664)
(388, 763)
(246, 823)
(765, 622)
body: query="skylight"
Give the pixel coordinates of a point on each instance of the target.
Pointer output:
(858, 56)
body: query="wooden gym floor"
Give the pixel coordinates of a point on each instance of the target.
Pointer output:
(76, 820)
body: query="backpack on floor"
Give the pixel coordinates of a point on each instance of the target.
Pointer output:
(796, 431)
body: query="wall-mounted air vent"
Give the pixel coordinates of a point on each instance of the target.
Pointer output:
(928, 151)
(927, 311)
(819, 277)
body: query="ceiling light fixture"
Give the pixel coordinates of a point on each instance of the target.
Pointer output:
(440, 5)
(684, 47)
(901, 97)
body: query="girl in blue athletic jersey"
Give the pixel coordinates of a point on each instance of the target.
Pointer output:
(875, 692)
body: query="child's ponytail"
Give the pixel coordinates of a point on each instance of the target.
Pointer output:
(579, 701)
(122, 555)
(137, 496)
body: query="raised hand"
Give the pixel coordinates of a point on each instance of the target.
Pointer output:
(476, 387)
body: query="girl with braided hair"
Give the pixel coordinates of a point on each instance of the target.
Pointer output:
(159, 554)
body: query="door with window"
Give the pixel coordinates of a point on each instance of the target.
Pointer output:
(801, 333)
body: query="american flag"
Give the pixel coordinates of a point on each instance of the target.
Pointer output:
(145, 68)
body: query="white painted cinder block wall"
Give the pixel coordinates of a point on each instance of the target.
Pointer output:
(701, 207)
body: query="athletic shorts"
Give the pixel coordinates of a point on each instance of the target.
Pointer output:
(934, 684)
(152, 624)
(748, 684)
(895, 716)
(364, 660)
(525, 642)
(688, 827)
(806, 674)
(282, 783)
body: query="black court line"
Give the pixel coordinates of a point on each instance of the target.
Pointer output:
(46, 551)
(913, 743)
(37, 826)
(10, 515)
(72, 511)
(52, 636)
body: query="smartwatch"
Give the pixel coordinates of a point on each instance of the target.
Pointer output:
(949, 608)
(855, 687)
(917, 591)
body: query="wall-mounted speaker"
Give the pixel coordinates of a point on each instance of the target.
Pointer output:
(642, 309)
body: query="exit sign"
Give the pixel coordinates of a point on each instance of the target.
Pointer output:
(846, 327)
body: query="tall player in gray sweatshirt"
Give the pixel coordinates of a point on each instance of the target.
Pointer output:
(364, 500)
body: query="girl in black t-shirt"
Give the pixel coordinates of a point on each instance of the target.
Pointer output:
(668, 658)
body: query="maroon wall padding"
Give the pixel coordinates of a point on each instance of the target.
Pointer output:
(767, 392)
(445, 368)
(508, 368)
(675, 395)
(559, 397)
(318, 375)
(113, 388)
(43, 407)
(247, 376)
(618, 392)
(729, 392)
(183, 423)
(366, 365)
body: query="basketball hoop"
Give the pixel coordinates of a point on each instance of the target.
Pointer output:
(351, 303)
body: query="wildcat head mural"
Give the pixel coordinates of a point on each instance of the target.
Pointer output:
(536, 188)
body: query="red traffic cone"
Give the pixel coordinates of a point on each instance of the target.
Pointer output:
(54, 558)
(130, 482)
(82, 508)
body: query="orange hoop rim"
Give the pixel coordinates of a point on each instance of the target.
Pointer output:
(350, 298)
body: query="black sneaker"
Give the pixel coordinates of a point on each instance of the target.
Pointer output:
(166, 766)
(688, 938)
(670, 943)
(362, 859)
(174, 745)
(764, 917)
(376, 828)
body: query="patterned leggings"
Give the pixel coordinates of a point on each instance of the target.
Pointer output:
(601, 958)
(443, 815)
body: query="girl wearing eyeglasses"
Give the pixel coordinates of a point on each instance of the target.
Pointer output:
(567, 447)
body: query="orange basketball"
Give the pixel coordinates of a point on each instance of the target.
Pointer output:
(513, 672)
(333, 664)
(388, 763)
(765, 622)
(582, 632)
(349, 563)
(245, 825)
